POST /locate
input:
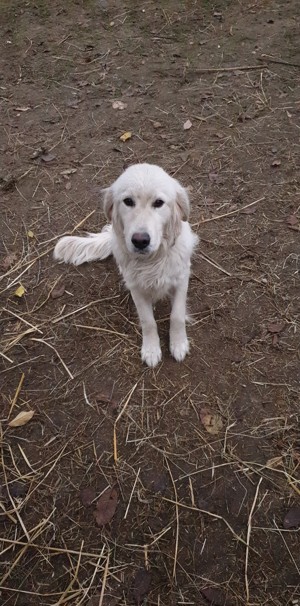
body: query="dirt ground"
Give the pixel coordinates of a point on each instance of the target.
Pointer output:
(201, 518)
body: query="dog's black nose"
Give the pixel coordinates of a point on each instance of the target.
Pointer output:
(140, 240)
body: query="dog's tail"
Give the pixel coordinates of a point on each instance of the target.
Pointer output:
(93, 247)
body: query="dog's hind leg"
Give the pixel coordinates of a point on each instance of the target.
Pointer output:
(179, 345)
(150, 352)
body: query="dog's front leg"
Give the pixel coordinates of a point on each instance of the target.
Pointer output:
(179, 345)
(151, 352)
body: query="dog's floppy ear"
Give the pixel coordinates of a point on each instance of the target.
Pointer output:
(108, 202)
(183, 202)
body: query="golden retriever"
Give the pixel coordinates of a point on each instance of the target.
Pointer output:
(152, 243)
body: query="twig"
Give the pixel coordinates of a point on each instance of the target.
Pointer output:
(6, 357)
(213, 70)
(22, 320)
(287, 547)
(58, 355)
(116, 421)
(177, 519)
(46, 547)
(209, 513)
(271, 59)
(16, 394)
(232, 212)
(100, 329)
(104, 581)
(213, 263)
(72, 313)
(132, 492)
(248, 540)
(73, 579)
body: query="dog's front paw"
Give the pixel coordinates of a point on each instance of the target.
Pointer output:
(151, 354)
(179, 349)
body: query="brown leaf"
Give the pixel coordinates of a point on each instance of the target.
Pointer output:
(106, 506)
(216, 596)
(292, 518)
(141, 585)
(87, 495)
(212, 421)
(292, 220)
(22, 418)
(276, 327)
(57, 291)
(8, 261)
(47, 157)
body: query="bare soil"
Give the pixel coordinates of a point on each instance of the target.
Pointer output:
(200, 517)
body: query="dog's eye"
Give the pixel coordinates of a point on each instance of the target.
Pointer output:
(158, 203)
(129, 202)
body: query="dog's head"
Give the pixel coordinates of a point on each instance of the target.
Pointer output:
(146, 207)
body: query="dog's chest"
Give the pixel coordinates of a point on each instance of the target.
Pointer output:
(158, 277)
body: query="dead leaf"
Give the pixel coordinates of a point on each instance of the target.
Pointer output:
(22, 418)
(57, 291)
(119, 105)
(22, 109)
(216, 596)
(276, 163)
(30, 234)
(141, 585)
(69, 171)
(211, 421)
(8, 261)
(276, 327)
(126, 136)
(87, 495)
(20, 291)
(47, 157)
(187, 125)
(106, 506)
(292, 518)
(292, 220)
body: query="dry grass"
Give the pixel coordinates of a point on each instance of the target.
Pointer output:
(202, 513)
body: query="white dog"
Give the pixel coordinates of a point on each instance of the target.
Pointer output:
(152, 243)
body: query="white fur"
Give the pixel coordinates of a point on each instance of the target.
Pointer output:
(163, 268)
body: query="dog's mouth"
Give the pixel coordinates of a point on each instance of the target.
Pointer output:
(145, 252)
